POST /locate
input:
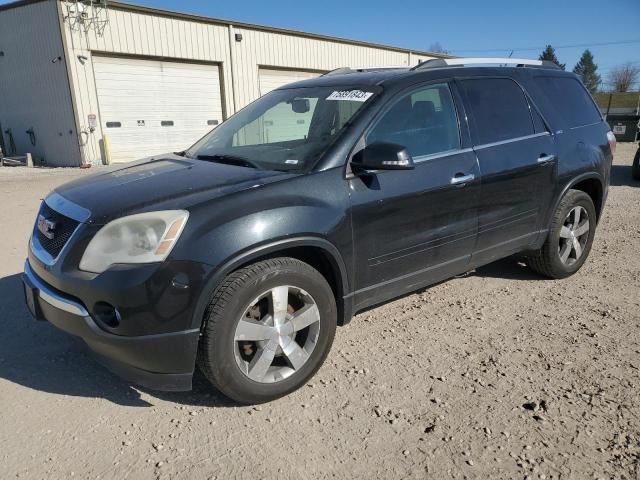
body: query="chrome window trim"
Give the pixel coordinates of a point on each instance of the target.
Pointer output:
(510, 140)
(51, 297)
(421, 159)
(585, 125)
(446, 153)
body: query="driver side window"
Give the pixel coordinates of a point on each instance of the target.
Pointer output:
(424, 121)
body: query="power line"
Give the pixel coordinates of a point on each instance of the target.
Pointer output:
(577, 45)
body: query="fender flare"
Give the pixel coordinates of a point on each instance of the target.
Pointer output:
(574, 181)
(246, 256)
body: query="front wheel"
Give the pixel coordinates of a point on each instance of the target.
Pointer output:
(268, 329)
(569, 239)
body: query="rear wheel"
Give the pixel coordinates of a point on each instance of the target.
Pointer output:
(268, 329)
(635, 168)
(569, 239)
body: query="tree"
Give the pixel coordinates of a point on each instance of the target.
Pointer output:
(623, 77)
(549, 53)
(437, 48)
(587, 70)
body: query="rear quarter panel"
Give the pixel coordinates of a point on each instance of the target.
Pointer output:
(583, 152)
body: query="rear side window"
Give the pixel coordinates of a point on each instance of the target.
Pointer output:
(497, 110)
(571, 100)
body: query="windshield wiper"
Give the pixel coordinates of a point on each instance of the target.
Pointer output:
(229, 160)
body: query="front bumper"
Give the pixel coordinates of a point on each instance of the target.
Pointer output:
(163, 361)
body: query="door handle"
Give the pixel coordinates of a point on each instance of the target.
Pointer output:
(462, 179)
(546, 158)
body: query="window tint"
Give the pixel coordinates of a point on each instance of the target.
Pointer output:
(571, 99)
(278, 124)
(287, 129)
(423, 121)
(538, 123)
(497, 110)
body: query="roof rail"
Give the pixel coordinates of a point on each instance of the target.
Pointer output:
(452, 62)
(343, 70)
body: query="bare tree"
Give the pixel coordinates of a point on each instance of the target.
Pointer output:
(623, 77)
(437, 48)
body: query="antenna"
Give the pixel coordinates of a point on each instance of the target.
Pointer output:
(86, 15)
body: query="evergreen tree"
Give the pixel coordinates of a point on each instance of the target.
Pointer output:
(549, 53)
(587, 70)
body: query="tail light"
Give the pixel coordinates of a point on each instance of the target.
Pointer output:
(612, 142)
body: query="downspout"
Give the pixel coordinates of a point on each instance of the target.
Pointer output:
(233, 69)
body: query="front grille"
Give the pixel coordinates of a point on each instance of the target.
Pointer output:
(64, 228)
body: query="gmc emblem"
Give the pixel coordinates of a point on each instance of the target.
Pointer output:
(46, 227)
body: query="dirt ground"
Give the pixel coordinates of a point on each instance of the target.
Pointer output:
(496, 374)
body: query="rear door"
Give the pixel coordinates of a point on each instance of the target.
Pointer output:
(415, 227)
(517, 161)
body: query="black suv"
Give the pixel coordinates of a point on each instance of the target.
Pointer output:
(327, 196)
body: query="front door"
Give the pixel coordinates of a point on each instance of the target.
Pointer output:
(414, 227)
(517, 163)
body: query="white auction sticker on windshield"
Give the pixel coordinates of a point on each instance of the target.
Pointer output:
(350, 95)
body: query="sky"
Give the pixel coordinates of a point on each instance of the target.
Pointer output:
(466, 28)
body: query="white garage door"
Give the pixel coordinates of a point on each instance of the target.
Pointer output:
(149, 107)
(272, 79)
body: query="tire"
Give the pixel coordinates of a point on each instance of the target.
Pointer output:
(635, 168)
(549, 260)
(244, 306)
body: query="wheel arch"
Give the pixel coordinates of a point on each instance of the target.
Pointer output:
(315, 251)
(590, 183)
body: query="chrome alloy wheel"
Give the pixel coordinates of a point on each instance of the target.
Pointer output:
(574, 235)
(277, 334)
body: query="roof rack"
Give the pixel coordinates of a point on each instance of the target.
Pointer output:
(452, 62)
(344, 70)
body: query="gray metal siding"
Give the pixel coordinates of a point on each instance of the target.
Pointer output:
(34, 91)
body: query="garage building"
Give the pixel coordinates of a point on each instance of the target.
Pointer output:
(104, 82)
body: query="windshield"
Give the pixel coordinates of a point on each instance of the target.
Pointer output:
(285, 129)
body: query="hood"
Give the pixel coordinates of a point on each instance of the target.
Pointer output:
(170, 180)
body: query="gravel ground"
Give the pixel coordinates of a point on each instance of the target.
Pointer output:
(495, 374)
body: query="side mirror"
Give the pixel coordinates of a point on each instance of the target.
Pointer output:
(300, 105)
(383, 156)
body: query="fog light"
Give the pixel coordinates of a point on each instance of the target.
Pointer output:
(107, 314)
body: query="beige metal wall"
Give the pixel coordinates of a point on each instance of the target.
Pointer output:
(150, 35)
(57, 99)
(141, 36)
(269, 49)
(34, 90)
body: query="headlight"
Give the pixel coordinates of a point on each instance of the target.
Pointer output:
(143, 238)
